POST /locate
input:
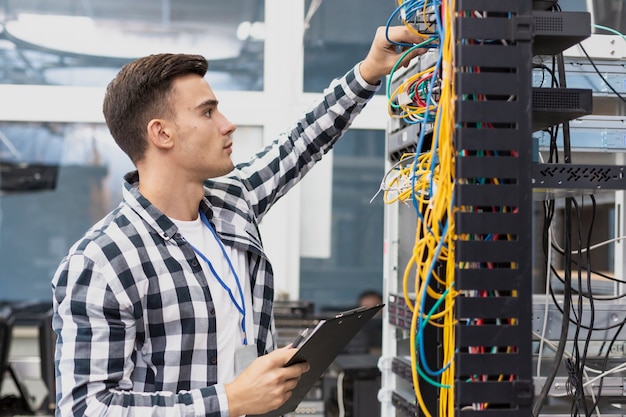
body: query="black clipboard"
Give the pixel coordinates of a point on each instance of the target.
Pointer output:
(320, 348)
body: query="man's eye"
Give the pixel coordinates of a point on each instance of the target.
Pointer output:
(208, 112)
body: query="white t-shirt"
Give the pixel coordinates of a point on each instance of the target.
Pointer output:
(228, 317)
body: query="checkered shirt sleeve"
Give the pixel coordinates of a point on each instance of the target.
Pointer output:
(133, 315)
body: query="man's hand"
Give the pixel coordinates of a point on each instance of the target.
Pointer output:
(265, 385)
(383, 55)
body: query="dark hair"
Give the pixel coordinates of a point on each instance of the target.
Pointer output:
(370, 293)
(141, 92)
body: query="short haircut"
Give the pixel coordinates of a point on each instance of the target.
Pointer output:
(370, 293)
(140, 92)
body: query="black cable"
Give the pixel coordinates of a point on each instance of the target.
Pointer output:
(592, 310)
(595, 272)
(574, 321)
(558, 357)
(575, 375)
(576, 366)
(567, 150)
(554, 154)
(560, 349)
(548, 216)
(593, 64)
(543, 73)
(576, 291)
(604, 365)
(580, 359)
(554, 130)
(553, 80)
(548, 208)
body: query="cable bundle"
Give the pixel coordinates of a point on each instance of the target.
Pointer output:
(415, 100)
(426, 179)
(578, 302)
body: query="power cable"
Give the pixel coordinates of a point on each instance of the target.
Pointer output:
(593, 64)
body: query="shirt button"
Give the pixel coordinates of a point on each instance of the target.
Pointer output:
(213, 360)
(194, 263)
(177, 236)
(212, 312)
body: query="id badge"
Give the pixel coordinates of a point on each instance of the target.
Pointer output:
(244, 355)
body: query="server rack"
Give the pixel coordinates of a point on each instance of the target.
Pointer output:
(594, 327)
(496, 112)
(505, 71)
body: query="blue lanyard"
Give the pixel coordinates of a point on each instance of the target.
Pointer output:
(242, 307)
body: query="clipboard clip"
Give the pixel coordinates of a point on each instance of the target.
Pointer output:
(300, 338)
(351, 311)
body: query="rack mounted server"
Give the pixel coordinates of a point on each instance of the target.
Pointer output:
(500, 123)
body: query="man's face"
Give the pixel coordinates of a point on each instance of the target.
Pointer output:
(370, 301)
(202, 134)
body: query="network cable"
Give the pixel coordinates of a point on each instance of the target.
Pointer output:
(425, 179)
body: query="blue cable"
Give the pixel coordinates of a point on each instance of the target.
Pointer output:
(422, 134)
(420, 334)
(430, 313)
(422, 308)
(414, 6)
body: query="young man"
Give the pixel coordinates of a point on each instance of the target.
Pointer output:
(164, 307)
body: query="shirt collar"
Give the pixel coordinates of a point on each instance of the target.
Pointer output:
(145, 209)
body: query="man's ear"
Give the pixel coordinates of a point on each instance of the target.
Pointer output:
(159, 134)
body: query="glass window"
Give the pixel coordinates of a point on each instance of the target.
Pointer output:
(356, 261)
(339, 35)
(84, 43)
(56, 181)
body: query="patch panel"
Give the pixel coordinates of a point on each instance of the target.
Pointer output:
(399, 312)
(401, 366)
(404, 407)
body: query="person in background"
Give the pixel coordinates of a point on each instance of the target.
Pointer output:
(370, 298)
(369, 338)
(164, 307)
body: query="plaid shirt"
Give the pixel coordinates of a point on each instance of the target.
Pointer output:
(133, 314)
